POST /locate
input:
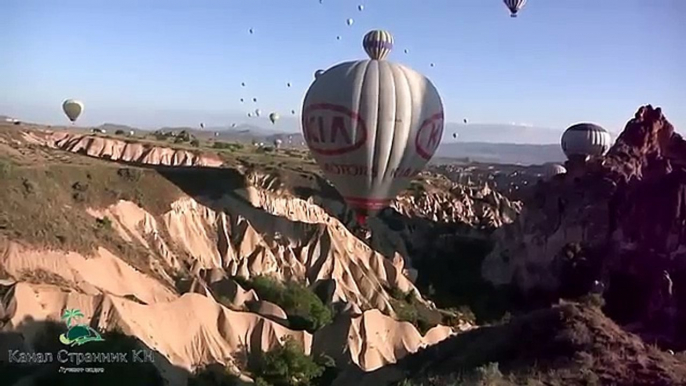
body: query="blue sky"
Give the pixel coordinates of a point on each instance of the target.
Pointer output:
(162, 62)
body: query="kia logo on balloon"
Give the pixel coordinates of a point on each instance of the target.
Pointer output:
(331, 129)
(429, 136)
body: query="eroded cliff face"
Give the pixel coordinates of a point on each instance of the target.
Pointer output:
(120, 150)
(259, 228)
(619, 222)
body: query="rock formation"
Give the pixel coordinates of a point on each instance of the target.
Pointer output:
(619, 226)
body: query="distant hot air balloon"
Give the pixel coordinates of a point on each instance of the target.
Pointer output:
(454, 135)
(293, 112)
(350, 21)
(233, 125)
(257, 112)
(243, 84)
(318, 73)
(377, 44)
(360, 7)
(288, 84)
(406, 51)
(584, 140)
(72, 108)
(242, 100)
(254, 100)
(514, 6)
(371, 126)
(464, 121)
(432, 65)
(202, 125)
(273, 117)
(251, 31)
(338, 38)
(551, 170)
(277, 143)
(249, 115)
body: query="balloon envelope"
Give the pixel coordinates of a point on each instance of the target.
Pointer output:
(274, 117)
(514, 6)
(584, 140)
(371, 126)
(72, 108)
(349, 21)
(551, 170)
(377, 44)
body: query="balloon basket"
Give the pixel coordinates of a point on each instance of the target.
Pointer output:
(361, 219)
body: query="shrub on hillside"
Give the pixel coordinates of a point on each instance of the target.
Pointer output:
(288, 365)
(304, 309)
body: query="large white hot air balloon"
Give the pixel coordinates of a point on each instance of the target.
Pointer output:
(274, 117)
(371, 125)
(552, 170)
(584, 140)
(73, 109)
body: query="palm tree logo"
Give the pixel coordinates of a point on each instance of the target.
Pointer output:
(77, 334)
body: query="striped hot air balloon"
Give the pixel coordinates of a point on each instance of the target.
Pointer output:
(378, 44)
(584, 140)
(514, 6)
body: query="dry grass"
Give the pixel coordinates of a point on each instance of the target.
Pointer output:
(570, 344)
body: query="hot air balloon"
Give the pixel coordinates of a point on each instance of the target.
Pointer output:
(257, 112)
(350, 21)
(464, 121)
(318, 73)
(454, 135)
(551, 170)
(406, 51)
(378, 44)
(202, 125)
(273, 117)
(360, 7)
(338, 38)
(249, 115)
(277, 143)
(254, 100)
(242, 100)
(432, 65)
(251, 31)
(293, 112)
(233, 125)
(243, 84)
(288, 84)
(584, 140)
(371, 126)
(514, 6)
(72, 108)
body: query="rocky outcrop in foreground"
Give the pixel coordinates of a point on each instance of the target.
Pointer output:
(616, 226)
